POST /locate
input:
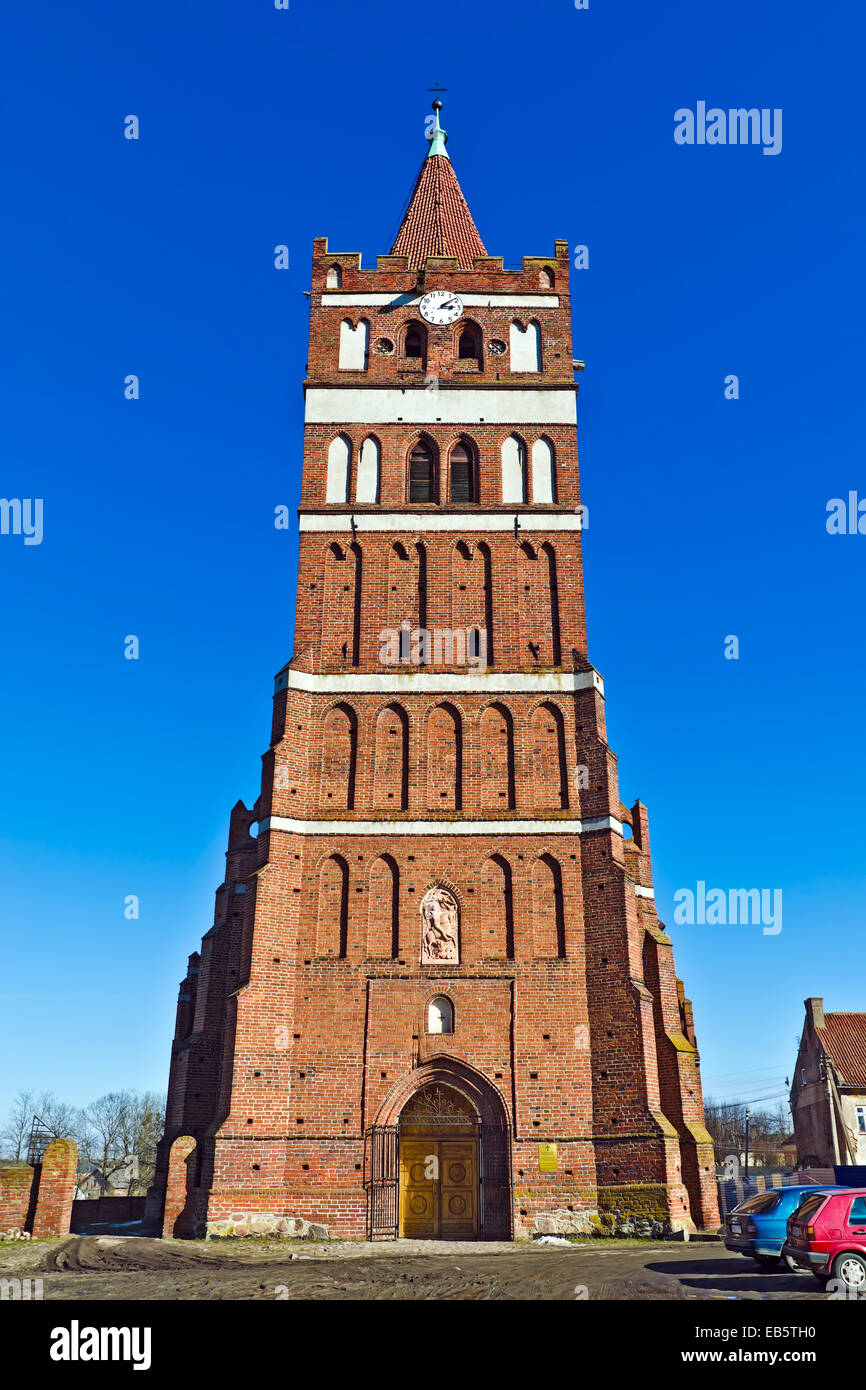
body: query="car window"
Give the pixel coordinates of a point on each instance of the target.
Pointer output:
(810, 1206)
(764, 1202)
(857, 1216)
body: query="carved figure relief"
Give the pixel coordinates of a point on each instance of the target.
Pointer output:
(439, 928)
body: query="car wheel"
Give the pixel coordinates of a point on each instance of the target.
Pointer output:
(767, 1262)
(850, 1268)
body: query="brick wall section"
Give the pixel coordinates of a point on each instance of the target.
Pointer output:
(521, 601)
(176, 1220)
(56, 1189)
(16, 1181)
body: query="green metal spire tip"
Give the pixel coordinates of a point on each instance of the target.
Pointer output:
(438, 136)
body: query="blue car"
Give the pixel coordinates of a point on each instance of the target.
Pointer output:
(759, 1227)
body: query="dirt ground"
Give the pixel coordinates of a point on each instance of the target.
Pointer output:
(131, 1267)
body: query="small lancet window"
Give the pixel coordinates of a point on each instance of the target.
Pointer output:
(421, 474)
(335, 278)
(440, 1015)
(461, 474)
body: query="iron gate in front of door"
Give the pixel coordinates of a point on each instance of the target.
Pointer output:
(382, 1182)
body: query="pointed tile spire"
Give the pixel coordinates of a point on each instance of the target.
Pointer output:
(438, 221)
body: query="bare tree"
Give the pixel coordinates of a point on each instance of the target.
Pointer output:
(16, 1129)
(143, 1131)
(107, 1122)
(123, 1130)
(726, 1122)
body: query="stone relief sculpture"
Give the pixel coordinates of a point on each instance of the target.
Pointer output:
(439, 928)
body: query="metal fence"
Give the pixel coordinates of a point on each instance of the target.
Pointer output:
(734, 1190)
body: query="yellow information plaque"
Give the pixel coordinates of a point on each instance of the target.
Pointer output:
(547, 1158)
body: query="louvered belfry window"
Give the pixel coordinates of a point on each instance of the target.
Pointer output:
(461, 475)
(421, 474)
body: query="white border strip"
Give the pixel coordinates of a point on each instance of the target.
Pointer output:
(450, 405)
(644, 892)
(476, 301)
(438, 827)
(441, 521)
(497, 682)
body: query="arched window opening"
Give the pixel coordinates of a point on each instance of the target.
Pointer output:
(421, 474)
(514, 470)
(337, 476)
(335, 278)
(367, 482)
(543, 489)
(469, 343)
(462, 489)
(546, 278)
(354, 346)
(416, 342)
(440, 1015)
(525, 347)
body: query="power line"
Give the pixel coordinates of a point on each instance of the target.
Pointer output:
(755, 1071)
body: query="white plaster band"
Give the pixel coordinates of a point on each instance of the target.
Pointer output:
(409, 682)
(439, 827)
(477, 301)
(441, 521)
(416, 405)
(644, 892)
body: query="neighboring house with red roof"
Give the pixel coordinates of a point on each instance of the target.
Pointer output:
(828, 1095)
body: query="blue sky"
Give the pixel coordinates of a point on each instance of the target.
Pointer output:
(707, 516)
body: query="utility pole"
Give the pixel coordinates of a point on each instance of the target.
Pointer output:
(748, 1123)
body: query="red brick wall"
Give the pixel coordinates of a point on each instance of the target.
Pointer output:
(16, 1181)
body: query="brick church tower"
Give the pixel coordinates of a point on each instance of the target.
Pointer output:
(436, 999)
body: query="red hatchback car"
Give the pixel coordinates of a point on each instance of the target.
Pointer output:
(827, 1235)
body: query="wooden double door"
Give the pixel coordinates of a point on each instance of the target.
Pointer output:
(439, 1186)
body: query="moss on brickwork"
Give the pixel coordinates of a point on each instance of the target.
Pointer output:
(14, 1175)
(635, 1199)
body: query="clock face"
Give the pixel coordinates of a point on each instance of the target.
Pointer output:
(441, 306)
